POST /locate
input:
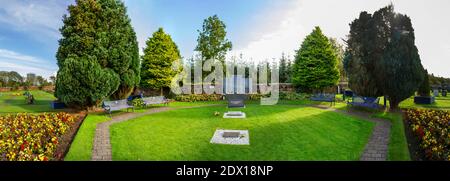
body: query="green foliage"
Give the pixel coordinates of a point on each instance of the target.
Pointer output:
(11, 79)
(339, 51)
(424, 88)
(119, 46)
(293, 96)
(212, 42)
(359, 55)
(285, 69)
(97, 35)
(198, 97)
(316, 63)
(159, 56)
(83, 83)
(138, 103)
(382, 58)
(436, 80)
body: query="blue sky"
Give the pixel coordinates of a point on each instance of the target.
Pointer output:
(260, 29)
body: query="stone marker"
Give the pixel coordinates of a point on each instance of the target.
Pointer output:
(231, 134)
(234, 114)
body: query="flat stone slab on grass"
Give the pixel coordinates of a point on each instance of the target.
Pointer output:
(231, 134)
(234, 114)
(229, 137)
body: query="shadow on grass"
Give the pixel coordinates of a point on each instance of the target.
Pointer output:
(275, 134)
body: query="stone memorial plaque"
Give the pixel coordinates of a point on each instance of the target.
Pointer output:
(231, 134)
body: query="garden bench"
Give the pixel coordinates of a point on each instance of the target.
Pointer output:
(155, 100)
(235, 100)
(324, 98)
(368, 102)
(110, 106)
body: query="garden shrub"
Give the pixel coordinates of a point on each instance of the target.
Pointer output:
(198, 97)
(32, 137)
(282, 96)
(431, 128)
(253, 97)
(138, 103)
(293, 96)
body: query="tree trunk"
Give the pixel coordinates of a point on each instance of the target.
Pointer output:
(162, 92)
(393, 105)
(122, 92)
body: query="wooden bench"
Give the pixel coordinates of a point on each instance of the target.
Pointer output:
(110, 106)
(368, 102)
(324, 98)
(155, 100)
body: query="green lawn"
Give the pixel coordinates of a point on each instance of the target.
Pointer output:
(10, 103)
(440, 103)
(81, 148)
(281, 132)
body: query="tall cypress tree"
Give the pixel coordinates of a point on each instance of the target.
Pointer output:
(401, 66)
(381, 57)
(118, 46)
(99, 35)
(359, 55)
(81, 80)
(316, 64)
(159, 56)
(283, 75)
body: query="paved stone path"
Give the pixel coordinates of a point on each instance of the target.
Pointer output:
(101, 150)
(377, 147)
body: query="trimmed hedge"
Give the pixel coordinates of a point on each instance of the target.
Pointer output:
(198, 97)
(218, 97)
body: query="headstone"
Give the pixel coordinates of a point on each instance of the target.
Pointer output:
(444, 93)
(236, 100)
(435, 92)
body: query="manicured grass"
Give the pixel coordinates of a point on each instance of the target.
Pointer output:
(440, 103)
(398, 146)
(81, 148)
(10, 103)
(281, 132)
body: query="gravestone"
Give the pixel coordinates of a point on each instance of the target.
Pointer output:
(235, 100)
(444, 93)
(435, 93)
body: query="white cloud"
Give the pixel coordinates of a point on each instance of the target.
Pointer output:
(280, 30)
(283, 27)
(39, 17)
(23, 64)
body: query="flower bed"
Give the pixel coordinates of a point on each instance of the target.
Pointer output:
(198, 97)
(27, 137)
(432, 130)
